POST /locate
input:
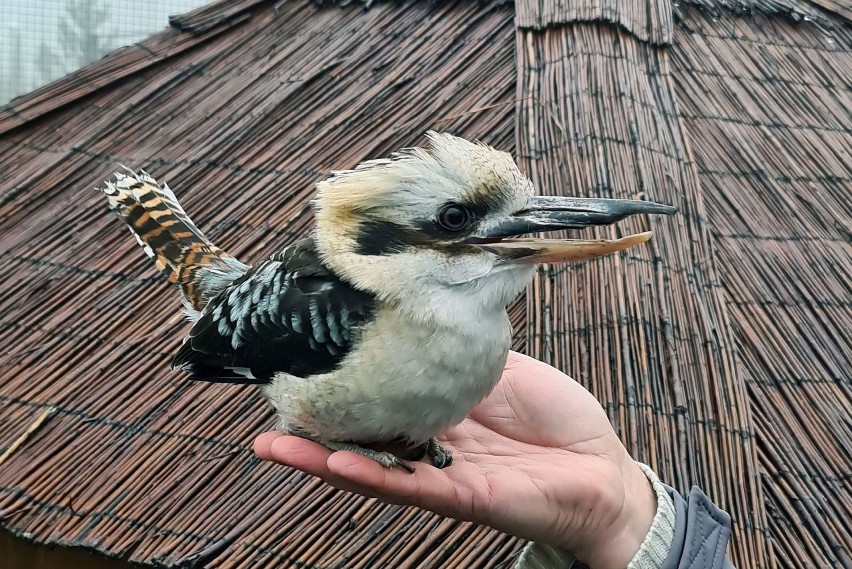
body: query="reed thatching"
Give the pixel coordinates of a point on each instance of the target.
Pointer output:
(721, 353)
(647, 332)
(774, 160)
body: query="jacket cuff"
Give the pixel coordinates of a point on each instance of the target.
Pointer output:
(658, 542)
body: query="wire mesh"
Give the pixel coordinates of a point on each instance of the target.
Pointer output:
(42, 41)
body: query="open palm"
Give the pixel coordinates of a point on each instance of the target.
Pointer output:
(537, 459)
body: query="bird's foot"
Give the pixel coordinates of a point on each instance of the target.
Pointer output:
(386, 459)
(440, 456)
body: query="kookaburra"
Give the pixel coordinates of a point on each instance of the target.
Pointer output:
(389, 322)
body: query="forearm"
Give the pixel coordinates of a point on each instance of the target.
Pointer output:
(691, 534)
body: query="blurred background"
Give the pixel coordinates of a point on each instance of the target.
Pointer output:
(42, 40)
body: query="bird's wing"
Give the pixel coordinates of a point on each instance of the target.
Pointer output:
(287, 314)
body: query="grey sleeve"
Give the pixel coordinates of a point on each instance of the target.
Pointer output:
(701, 533)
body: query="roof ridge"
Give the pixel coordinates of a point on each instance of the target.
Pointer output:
(212, 15)
(837, 7)
(186, 32)
(826, 13)
(649, 21)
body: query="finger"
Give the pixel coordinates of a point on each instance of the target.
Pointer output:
(307, 456)
(428, 487)
(515, 358)
(262, 446)
(372, 477)
(301, 453)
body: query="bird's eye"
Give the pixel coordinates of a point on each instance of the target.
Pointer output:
(454, 217)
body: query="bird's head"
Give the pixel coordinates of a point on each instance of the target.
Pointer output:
(439, 228)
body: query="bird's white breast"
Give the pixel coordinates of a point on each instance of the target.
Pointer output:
(404, 378)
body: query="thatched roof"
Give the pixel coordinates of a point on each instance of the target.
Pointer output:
(722, 352)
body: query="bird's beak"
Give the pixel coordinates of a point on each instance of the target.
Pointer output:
(546, 213)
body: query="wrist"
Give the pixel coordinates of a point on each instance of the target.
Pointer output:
(625, 529)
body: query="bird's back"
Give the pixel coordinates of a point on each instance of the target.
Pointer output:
(287, 314)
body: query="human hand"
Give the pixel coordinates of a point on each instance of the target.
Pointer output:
(537, 459)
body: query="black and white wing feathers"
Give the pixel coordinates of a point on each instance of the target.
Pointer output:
(287, 314)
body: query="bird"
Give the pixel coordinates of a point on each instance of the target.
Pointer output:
(388, 323)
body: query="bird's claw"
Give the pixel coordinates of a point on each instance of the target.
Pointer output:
(440, 456)
(386, 459)
(389, 461)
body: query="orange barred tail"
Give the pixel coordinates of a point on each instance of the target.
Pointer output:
(169, 237)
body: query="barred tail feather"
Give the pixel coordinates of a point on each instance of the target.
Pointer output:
(169, 237)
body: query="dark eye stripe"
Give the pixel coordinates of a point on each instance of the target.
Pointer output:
(381, 237)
